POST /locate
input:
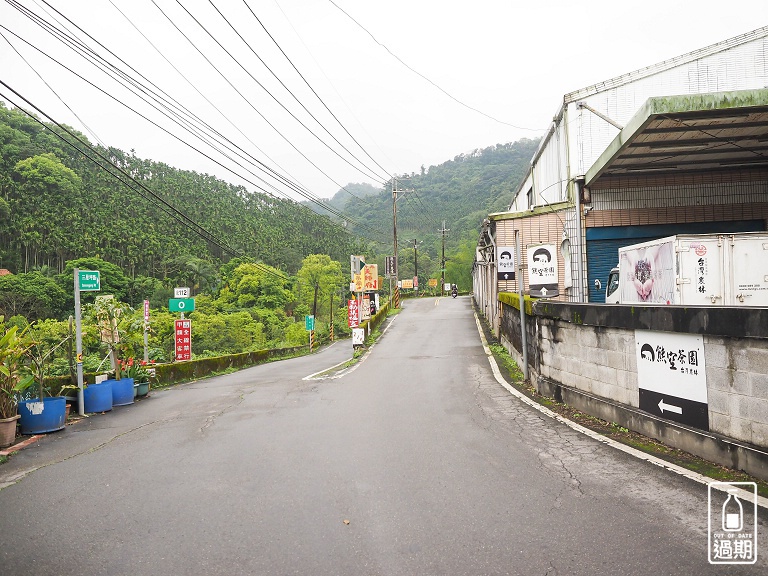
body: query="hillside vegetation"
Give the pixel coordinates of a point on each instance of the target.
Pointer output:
(256, 264)
(56, 205)
(460, 192)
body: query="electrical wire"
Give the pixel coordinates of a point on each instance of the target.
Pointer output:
(262, 87)
(88, 53)
(43, 80)
(196, 133)
(300, 103)
(388, 172)
(87, 151)
(423, 77)
(330, 82)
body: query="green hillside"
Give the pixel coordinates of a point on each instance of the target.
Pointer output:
(56, 205)
(461, 192)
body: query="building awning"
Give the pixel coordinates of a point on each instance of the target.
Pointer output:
(685, 135)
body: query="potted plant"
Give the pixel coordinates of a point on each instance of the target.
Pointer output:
(14, 372)
(141, 371)
(108, 312)
(40, 414)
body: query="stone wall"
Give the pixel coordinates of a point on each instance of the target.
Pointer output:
(590, 349)
(737, 388)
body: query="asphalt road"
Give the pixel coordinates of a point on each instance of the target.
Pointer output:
(415, 462)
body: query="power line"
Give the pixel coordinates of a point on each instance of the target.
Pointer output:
(184, 123)
(330, 82)
(313, 90)
(262, 87)
(422, 76)
(298, 101)
(87, 150)
(43, 80)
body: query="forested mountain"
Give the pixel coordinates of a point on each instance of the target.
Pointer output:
(340, 199)
(56, 205)
(461, 192)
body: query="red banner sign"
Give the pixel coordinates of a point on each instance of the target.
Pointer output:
(183, 340)
(353, 314)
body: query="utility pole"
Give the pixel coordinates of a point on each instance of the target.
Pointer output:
(443, 230)
(396, 301)
(395, 190)
(415, 267)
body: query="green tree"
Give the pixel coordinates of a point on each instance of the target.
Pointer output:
(45, 194)
(319, 277)
(33, 296)
(258, 285)
(458, 268)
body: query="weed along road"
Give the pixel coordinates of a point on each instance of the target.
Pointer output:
(415, 461)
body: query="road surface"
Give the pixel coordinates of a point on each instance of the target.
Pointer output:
(415, 462)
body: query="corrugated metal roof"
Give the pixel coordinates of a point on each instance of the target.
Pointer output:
(697, 133)
(665, 65)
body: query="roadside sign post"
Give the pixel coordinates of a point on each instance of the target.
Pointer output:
(146, 330)
(84, 281)
(183, 347)
(309, 325)
(182, 303)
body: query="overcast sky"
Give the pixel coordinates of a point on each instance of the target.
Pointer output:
(400, 83)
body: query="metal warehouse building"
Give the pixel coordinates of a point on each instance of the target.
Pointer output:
(677, 147)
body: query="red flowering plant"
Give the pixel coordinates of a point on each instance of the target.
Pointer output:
(139, 370)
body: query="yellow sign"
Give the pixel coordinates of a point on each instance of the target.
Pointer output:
(433, 282)
(368, 279)
(371, 277)
(80, 358)
(407, 283)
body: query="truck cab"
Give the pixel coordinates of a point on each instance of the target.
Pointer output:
(612, 287)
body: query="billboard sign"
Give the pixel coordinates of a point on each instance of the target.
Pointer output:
(183, 340)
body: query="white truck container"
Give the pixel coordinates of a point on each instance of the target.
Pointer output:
(693, 270)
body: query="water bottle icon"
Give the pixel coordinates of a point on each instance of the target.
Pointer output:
(733, 513)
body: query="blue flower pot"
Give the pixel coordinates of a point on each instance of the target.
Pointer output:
(122, 392)
(46, 416)
(98, 397)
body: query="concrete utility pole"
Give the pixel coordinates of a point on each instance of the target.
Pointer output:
(443, 230)
(415, 267)
(395, 190)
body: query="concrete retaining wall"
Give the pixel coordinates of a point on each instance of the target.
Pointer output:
(585, 354)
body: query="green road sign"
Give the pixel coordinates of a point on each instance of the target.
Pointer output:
(181, 304)
(88, 280)
(309, 322)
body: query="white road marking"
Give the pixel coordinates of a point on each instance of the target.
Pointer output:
(351, 368)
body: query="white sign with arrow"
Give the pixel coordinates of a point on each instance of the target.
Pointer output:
(671, 376)
(505, 263)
